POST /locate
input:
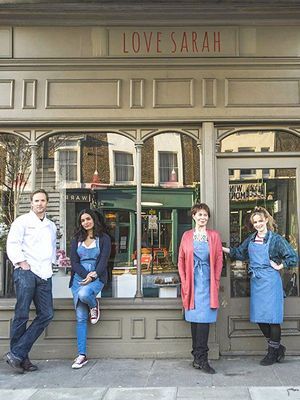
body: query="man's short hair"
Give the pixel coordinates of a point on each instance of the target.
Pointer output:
(39, 191)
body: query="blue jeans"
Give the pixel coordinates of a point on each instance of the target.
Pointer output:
(29, 287)
(86, 300)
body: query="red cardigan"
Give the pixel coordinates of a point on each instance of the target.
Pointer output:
(186, 268)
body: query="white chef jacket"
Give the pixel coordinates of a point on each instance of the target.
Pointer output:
(34, 241)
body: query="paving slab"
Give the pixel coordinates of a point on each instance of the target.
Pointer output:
(69, 394)
(245, 372)
(141, 394)
(116, 372)
(21, 394)
(213, 393)
(275, 393)
(177, 373)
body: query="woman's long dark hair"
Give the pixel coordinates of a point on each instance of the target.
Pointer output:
(98, 229)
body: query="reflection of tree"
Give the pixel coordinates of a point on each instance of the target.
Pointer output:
(15, 171)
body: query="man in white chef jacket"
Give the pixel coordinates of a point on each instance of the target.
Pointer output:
(31, 247)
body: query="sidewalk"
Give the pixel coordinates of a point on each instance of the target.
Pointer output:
(160, 379)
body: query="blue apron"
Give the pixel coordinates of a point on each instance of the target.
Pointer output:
(202, 312)
(266, 291)
(88, 258)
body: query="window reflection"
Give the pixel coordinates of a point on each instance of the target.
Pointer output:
(260, 142)
(277, 193)
(98, 170)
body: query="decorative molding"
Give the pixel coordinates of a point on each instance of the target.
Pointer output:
(8, 91)
(262, 92)
(242, 327)
(92, 91)
(170, 93)
(108, 329)
(6, 42)
(137, 93)
(138, 328)
(29, 92)
(166, 328)
(5, 324)
(209, 92)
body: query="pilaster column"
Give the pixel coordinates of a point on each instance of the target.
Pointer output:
(208, 168)
(33, 148)
(138, 171)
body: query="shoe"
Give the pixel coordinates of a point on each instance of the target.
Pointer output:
(95, 313)
(281, 353)
(14, 362)
(79, 362)
(27, 365)
(204, 366)
(271, 357)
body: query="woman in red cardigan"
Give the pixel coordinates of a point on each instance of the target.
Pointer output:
(200, 264)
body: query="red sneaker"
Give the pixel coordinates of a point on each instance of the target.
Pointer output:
(95, 313)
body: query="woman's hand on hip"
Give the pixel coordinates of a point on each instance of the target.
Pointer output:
(276, 266)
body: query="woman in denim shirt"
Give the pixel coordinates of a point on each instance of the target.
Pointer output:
(267, 253)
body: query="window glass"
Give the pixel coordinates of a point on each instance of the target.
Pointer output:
(170, 185)
(277, 193)
(168, 167)
(124, 169)
(264, 140)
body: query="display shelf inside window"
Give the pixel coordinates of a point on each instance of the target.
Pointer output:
(63, 263)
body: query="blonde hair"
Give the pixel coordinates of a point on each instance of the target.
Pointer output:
(271, 224)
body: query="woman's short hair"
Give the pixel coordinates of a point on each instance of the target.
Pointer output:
(200, 206)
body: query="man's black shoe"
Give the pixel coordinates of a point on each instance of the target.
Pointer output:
(28, 366)
(14, 362)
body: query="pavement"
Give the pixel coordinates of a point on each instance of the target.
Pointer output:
(154, 379)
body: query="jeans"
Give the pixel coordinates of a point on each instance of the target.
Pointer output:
(86, 300)
(29, 287)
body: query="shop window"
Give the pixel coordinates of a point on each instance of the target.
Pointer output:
(124, 169)
(168, 167)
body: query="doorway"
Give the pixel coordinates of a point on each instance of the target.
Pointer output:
(243, 183)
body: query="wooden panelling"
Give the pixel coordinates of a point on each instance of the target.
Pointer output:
(5, 328)
(264, 92)
(7, 93)
(65, 329)
(209, 92)
(136, 93)
(173, 93)
(83, 93)
(167, 328)
(5, 42)
(29, 93)
(138, 328)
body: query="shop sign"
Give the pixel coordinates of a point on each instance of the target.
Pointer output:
(247, 191)
(152, 222)
(176, 42)
(78, 197)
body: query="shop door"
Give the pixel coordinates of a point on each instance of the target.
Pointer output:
(244, 183)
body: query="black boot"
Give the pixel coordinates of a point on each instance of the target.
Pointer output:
(281, 353)
(202, 363)
(271, 356)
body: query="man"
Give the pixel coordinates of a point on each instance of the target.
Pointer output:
(31, 247)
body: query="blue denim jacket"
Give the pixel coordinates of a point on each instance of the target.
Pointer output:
(280, 251)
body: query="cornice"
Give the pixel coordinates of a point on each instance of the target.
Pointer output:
(130, 12)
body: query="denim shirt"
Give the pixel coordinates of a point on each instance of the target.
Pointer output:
(280, 251)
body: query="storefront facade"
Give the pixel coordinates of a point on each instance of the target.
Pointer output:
(139, 120)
